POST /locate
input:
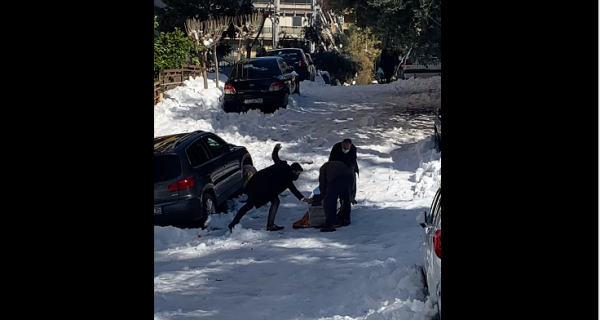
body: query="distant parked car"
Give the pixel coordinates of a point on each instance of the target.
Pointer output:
(437, 129)
(259, 83)
(410, 67)
(194, 174)
(431, 249)
(295, 57)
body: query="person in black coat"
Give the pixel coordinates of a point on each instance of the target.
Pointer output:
(335, 181)
(266, 185)
(345, 152)
(388, 63)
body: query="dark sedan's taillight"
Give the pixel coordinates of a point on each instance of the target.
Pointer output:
(276, 86)
(229, 89)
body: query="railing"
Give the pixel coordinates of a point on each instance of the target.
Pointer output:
(291, 30)
(267, 32)
(172, 78)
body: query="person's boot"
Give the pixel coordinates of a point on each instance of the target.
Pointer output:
(328, 229)
(274, 227)
(343, 223)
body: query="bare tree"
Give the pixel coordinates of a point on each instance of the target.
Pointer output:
(215, 29)
(196, 31)
(265, 15)
(242, 34)
(247, 27)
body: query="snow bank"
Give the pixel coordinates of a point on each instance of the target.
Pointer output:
(164, 237)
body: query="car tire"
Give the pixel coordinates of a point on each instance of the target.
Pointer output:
(194, 224)
(209, 205)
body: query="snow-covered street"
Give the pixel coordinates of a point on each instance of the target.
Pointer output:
(364, 271)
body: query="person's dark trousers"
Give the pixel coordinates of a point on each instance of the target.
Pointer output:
(243, 210)
(273, 211)
(338, 188)
(346, 208)
(353, 190)
(388, 75)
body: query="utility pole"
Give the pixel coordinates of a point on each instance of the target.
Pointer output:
(275, 22)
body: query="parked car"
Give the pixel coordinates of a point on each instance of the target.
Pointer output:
(194, 174)
(431, 249)
(295, 57)
(437, 129)
(410, 67)
(259, 83)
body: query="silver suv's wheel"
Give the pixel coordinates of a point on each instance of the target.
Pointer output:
(209, 206)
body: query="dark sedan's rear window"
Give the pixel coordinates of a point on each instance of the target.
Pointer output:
(290, 56)
(166, 167)
(255, 69)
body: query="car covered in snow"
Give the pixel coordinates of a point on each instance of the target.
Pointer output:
(263, 83)
(194, 174)
(431, 248)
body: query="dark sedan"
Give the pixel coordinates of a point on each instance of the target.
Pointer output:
(194, 174)
(260, 83)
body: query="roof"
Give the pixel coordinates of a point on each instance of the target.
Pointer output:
(259, 58)
(285, 49)
(170, 142)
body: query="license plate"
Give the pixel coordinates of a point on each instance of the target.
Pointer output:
(157, 210)
(248, 101)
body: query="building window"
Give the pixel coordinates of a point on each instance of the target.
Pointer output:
(297, 21)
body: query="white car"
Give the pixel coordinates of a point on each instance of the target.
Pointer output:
(410, 68)
(431, 248)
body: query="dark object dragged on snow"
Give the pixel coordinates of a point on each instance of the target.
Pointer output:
(314, 216)
(194, 174)
(259, 83)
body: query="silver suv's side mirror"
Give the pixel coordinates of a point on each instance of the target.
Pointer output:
(421, 219)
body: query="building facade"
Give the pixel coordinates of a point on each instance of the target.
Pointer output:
(294, 15)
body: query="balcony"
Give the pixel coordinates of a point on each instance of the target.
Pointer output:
(295, 32)
(285, 2)
(291, 31)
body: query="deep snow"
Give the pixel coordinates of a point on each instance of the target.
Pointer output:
(364, 271)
